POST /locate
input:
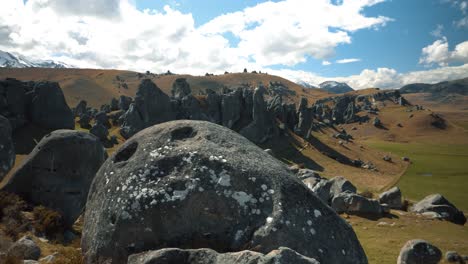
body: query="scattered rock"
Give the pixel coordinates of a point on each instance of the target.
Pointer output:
(405, 159)
(452, 256)
(81, 108)
(100, 131)
(327, 189)
(7, 149)
(418, 251)
(387, 158)
(392, 198)
(377, 122)
(438, 204)
(102, 118)
(352, 203)
(170, 184)
(25, 248)
(84, 121)
(208, 256)
(59, 171)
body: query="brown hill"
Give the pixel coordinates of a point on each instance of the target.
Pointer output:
(98, 87)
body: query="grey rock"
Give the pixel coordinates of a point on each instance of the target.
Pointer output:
(84, 121)
(419, 251)
(124, 102)
(213, 101)
(377, 122)
(392, 198)
(132, 122)
(327, 189)
(100, 131)
(14, 101)
(25, 248)
(81, 108)
(304, 119)
(7, 148)
(49, 108)
(29, 261)
(180, 88)
(231, 106)
(114, 105)
(452, 257)
(59, 171)
(352, 203)
(263, 126)
(208, 256)
(169, 186)
(103, 119)
(440, 205)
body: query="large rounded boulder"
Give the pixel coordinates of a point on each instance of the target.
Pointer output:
(195, 184)
(59, 172)
(7, 151)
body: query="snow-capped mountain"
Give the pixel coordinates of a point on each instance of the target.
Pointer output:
(306, 84)
(336, 87)
(10, 60)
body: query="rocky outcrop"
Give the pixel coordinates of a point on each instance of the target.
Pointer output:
(209, 256)
(231, 106)
(13, 101)
(7, 149)
(442, 207)
(419, 251)
(304, 119)
(172, 184)
(59, 171)
(152, 106)
(392, 198)
(262, 127)
(326, 190)
(81, 108)
(124, 102)
(49, 108)
(180, 88)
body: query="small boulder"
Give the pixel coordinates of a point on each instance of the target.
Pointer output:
(84, 121)
(81, 108)
(377, 122)
(208, 256)
(58, 172)
(452, 257)
(387, 158)
(25, 248)
(440, 205)
(100, 131)
(352, 203)
(392, 198)
(418, 251)
(327, 189)
(7, 150)
(103, 119)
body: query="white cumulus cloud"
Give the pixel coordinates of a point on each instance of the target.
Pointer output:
(439, 53)
(344, 61)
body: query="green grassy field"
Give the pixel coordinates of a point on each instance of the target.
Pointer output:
(435, 169)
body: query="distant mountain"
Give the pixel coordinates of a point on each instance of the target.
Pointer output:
(10, 60)
(439, 89)
(335, 87)
(306, 84)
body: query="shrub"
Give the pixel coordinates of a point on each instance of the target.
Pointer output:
(11, 207)
(48, 222)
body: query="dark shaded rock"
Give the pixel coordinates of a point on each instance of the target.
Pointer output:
(170, 185)
(263, 126)
(25, 248)
(84, 121)
(180, 88)
(103, 119)
(418, 251)
(81, 108)
(190, 109)
(387, 158)
(304, 119)
(124, 102)
(113, 140)
(48, 107)
(209, 256)
(452, 257)
(291, 115)
(231, 106)
(213, 101)
(352, 203)
(100, 131)
(152, 106)
(116, 117)
(13, 101)
(59, 171)
(438, 204)
(377, 122)
(114, 105)
(392, 198)
(7, 149)
(106, 108)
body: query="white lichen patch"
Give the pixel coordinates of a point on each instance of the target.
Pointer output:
(312, 231)
(317, 213)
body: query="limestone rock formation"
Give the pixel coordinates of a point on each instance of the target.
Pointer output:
(58, 172)
(195, 184)
(7, 149)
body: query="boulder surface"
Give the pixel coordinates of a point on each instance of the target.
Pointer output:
(7, 149)
(58, 172)
(195, 184)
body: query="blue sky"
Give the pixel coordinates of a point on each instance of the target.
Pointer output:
(366, 43)
(397, 45)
